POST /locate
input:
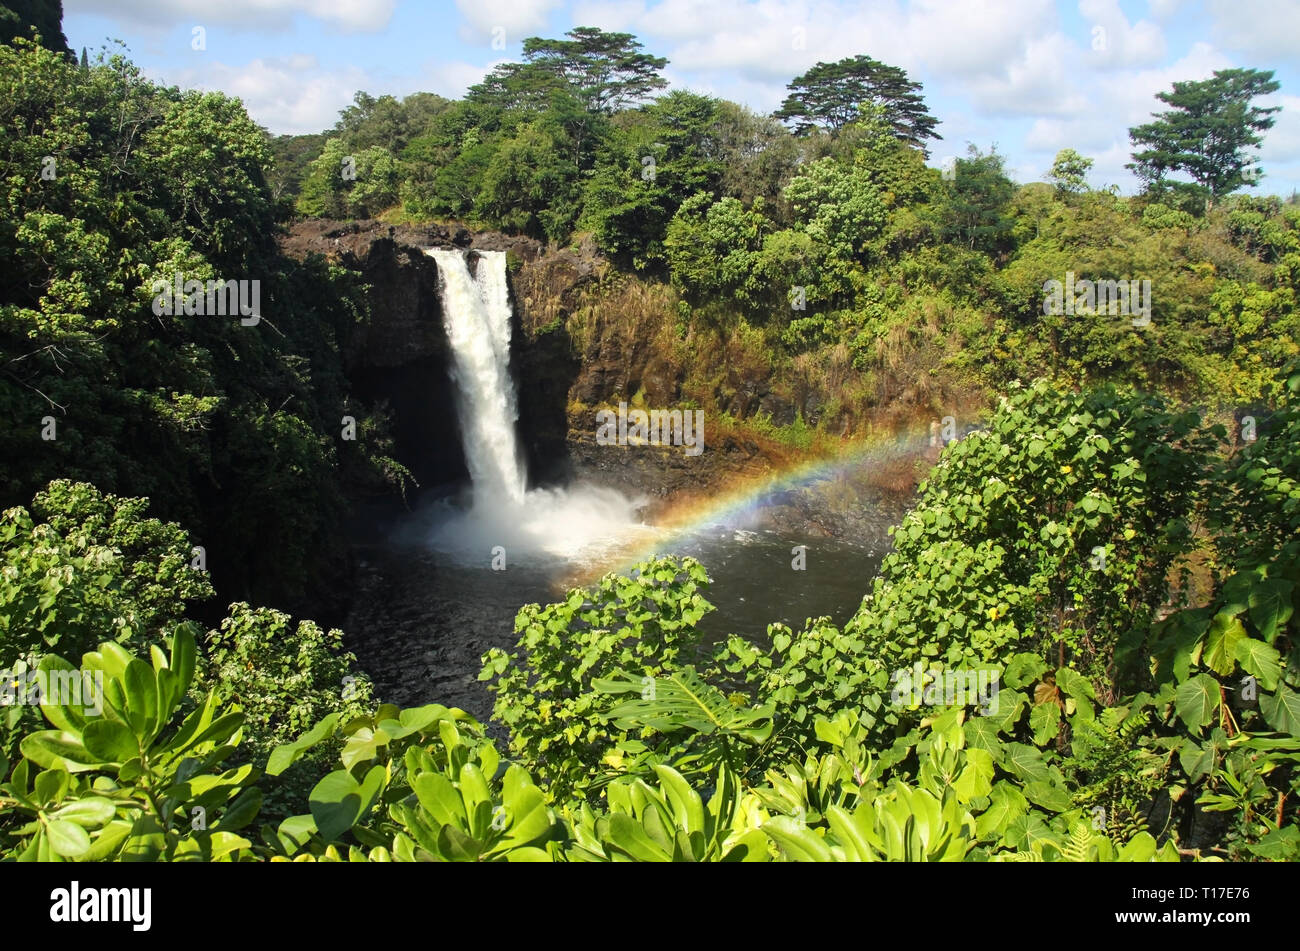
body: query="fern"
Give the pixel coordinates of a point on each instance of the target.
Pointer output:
(1079, 848)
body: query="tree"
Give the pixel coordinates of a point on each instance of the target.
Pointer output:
(523, 86)
(830, 94)
(608, 68)
(1069, 171)
(979, 195)
(838, 206)
(712, 248)
(758, 155)
(660, 156)
(531, 186)
(1206, 133)
(606, 71)
(20, 17)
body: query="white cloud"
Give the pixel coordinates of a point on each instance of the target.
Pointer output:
(507, 20)
(1281, 145)
(294, 95)
(1113, 41)
(1035, 83)
(1268, 28)
(1118, 101)
(973, 37)
(611, 15)
(1164, 10)
(291, 95)
(347, 15)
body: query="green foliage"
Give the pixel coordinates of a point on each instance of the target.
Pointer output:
(1070, 171)
(1206, 133)
(93, 564)
(1061, 521)
(830, 96)
(664, 156)
(415, 785)
(525, 186)
(22, 18)
(974, 212)
(286, 679)
(635, 625)
(605, 71)
(712, 249)
(1033, 676)
(190, 411)
(837, 206)
(136, 779)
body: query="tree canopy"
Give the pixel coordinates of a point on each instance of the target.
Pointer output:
(607, 71)
(1207, 132)
(830, 95)
(19, 17)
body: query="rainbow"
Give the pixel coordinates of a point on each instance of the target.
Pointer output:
(750, 495)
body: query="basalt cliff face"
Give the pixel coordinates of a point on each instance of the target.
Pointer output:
(400, 357)
(583, 336)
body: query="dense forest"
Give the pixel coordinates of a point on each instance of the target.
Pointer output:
(1082, 646)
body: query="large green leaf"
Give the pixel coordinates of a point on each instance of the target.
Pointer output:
(338, 801)
(438, 795)
(1006, 804)
(1260, 660)
(1270, 606)
(1197, 701)
(1221, 641)
(1281, 709)
(797, 841)
(627, 835)
(55, 749)
(687, 805)
(90, 812)
(67, 839)
(1026, 762)
(682, 700)
(111, 741)
(282, 757)
(975, 779)
(141, 687)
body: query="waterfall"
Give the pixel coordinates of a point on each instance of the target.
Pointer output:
(476, 313)
(505, 523)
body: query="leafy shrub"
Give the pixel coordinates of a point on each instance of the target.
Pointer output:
(286, 679)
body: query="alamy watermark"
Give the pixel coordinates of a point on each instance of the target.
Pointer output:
(1069, 297)
(919, 685)
(65, 688)
(179, 297)
(656, 427)
(77, 904)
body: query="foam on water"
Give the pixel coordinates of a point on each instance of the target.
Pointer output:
(582, 523)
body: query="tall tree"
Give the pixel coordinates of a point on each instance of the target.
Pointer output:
(606, 71)
(19, 17)
(830, 95)
(1207, 132)
(609, 69)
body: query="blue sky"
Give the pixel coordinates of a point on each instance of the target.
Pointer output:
(1032, 76)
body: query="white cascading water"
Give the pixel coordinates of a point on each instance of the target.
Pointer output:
(578, 523)
(476, 313)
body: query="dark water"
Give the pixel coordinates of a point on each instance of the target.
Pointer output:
(756, 583)
(421, 620)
